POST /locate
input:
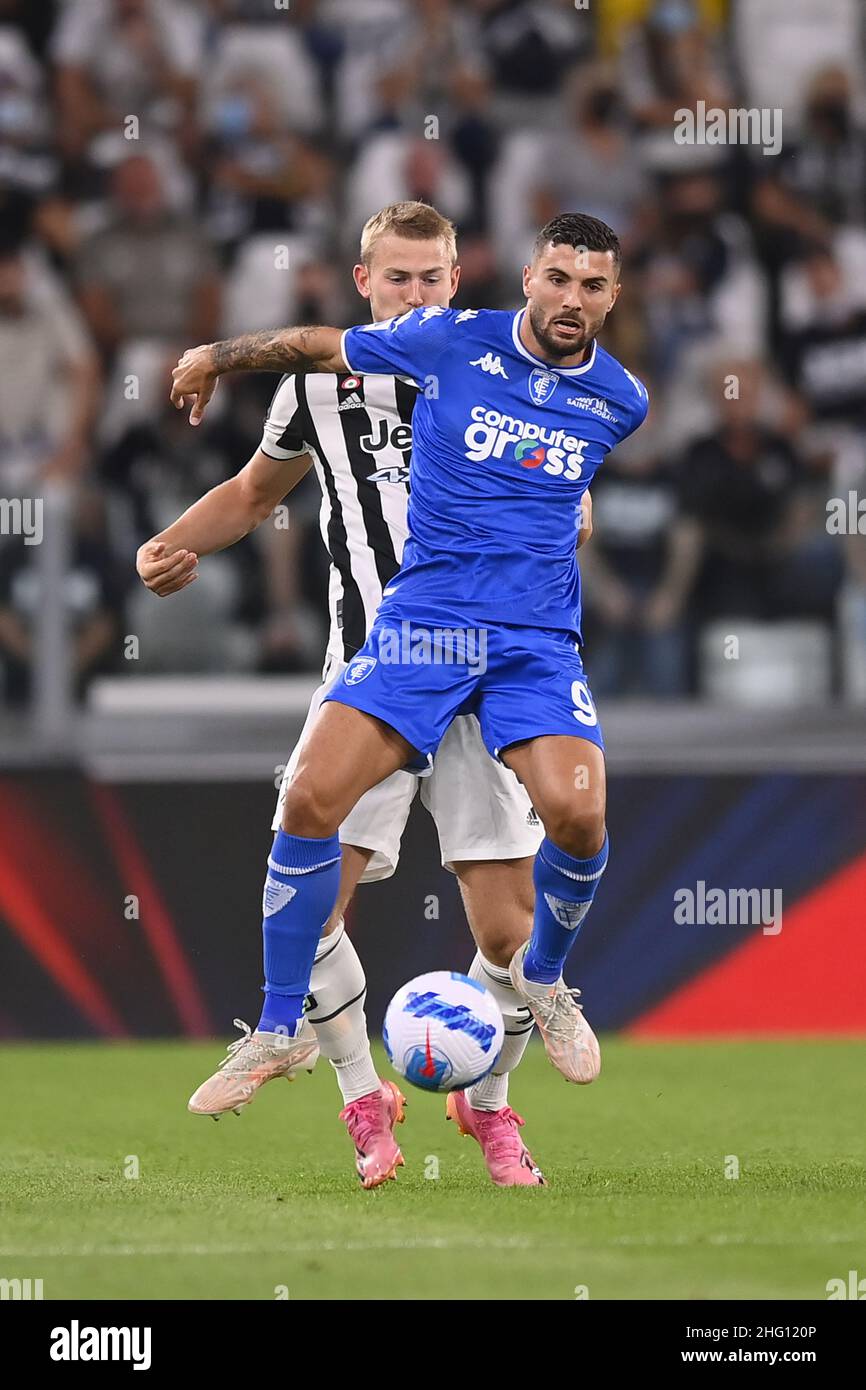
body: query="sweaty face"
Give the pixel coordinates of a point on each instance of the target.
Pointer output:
(403, 274)
(569, 293)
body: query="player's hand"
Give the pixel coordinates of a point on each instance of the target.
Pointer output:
(165, 574)
(194, 381)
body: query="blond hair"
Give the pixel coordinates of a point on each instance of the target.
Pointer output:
(413, 220)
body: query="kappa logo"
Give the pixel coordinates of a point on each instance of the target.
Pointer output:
(385, 325)
(490, 363)
(276, 895)
(542, 385)
(360, 669)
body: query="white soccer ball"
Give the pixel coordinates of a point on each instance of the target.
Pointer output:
(443, 1031)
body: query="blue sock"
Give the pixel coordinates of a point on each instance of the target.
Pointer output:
(564, 890)
(300, 891)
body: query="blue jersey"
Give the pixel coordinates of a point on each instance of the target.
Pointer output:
(504, 447)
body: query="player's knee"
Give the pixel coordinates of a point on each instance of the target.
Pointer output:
(498, 943)
(578, 829)
(308, 810)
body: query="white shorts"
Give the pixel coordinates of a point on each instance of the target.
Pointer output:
(480, 809)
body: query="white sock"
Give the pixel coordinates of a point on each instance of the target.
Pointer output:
(491, 1093)
(338, 987)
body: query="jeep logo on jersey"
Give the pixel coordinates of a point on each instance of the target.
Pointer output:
(533, 446)
(360, 669)
(400, 437)
(542, 385)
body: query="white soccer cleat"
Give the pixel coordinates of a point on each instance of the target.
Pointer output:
(249, 1063)
(570, 1042)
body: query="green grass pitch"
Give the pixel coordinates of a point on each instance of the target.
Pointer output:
(267, 1205)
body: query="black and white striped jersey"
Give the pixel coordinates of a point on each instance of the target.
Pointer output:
(358, 430)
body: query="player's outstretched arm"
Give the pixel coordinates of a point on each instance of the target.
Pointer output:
(168, 562)
(195, 377)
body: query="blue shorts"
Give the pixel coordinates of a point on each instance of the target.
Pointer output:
(519, 682)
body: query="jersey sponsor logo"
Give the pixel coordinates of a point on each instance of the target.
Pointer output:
(397, 473)
(399, 437)
(458, 1018)
(276, 895)
(529, 454)
(542, 385)
(568, 915)
(360, 669)
(490, 363)
(556, 452)
(350, 383)
(595, 405)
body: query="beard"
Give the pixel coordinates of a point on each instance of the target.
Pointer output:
(554, 346)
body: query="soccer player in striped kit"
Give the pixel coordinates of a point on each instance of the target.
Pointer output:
(356, 431)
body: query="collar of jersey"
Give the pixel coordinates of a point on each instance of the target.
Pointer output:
(548, 367)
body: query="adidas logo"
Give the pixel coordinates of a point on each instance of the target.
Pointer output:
(352, 402)
(490, 363)
(532, 817)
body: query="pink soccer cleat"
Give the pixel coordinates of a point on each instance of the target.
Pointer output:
(509, 1162)
(370, 1122)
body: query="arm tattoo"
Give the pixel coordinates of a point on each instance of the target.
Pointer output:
(274, 350)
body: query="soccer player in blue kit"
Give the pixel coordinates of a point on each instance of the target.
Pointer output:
(517, 412)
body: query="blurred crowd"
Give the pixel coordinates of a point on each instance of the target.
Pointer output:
(173, 171)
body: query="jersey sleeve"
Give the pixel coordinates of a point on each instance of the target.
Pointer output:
(285, 429)
(640, 406)
(409, 345)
